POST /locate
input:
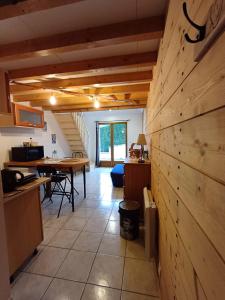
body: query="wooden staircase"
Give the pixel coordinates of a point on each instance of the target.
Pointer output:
(73, 130)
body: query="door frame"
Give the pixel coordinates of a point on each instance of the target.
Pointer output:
(112, 162)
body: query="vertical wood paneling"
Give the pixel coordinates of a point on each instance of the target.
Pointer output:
(185, 129)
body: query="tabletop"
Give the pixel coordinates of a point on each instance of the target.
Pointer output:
(74, 163)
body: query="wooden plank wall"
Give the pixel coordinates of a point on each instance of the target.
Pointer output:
(185, 128)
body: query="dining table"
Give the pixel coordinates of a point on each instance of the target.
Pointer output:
(66, 164)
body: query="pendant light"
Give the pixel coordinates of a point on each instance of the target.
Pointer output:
(52, 100)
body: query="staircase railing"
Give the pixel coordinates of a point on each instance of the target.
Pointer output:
(84, 133)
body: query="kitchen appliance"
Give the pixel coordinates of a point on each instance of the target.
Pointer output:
(27, 153)
(11, 179)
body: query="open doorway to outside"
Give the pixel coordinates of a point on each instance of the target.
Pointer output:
(112, 143)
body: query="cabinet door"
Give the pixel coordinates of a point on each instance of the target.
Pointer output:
(27, 116)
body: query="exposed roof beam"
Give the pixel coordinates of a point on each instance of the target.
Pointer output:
(90, 105)
(129, 31)
(126, 78)
(146, 59)
(29, 6)
(119, 89)
(100, 108)
(136, 88)
(85, 99)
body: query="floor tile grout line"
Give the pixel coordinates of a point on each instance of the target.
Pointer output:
(94, 284)
(115, 198)
(93, 262)
(123, 270)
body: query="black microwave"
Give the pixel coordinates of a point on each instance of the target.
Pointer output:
(27, 153)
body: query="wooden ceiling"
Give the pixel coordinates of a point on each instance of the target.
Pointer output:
(111, 63)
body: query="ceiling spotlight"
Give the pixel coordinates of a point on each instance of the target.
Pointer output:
(52, 100)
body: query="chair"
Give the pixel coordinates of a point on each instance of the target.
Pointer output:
(77, 154)
(59, 184)
(68, 179)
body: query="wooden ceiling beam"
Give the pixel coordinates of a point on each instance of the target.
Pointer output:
(30, 6)
(112, 34)
(91, 105)
(83, 99)
(126, 78)
(136, 88)
(100, 108)
(119, 89)
(139, 59)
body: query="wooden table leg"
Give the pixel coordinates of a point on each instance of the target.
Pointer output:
(72, 188)
(84, 178)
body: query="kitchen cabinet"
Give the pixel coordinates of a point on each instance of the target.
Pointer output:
(27, 116)
(23, 222)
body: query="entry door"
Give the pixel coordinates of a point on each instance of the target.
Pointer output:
(112, 143)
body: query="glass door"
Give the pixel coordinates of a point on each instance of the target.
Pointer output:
(105, 153)
(119, 141)
(112, 143)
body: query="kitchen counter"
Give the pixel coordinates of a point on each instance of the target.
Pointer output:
(23, 222)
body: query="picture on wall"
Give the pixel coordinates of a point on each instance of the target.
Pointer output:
(53, 138)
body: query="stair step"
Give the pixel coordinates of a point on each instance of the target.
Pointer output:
(67, 125)
(71, 131)
(76, 143)
(78, 148)
(72, 138)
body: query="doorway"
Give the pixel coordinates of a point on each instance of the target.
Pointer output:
(112, 143)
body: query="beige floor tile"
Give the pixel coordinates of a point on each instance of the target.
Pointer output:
(75, 223)
(31, 259)
(30, 286)
(115, 216)
(107, 271)
(64, 238)
(84, 212)
(88, 241)
(113, 227)
(134, 296)
(64, 290)
(55, 222)
(90, 203)
(136, 249)
(76, 266)
(140, 276)
(48, 234)
(113, 245)
(102, 213)
(106, 204)
(93, 292)
(95, 225)
(48, 262)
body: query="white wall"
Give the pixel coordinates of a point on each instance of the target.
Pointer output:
(134, 125)
(10, 137)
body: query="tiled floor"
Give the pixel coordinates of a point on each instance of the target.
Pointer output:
(83, 256)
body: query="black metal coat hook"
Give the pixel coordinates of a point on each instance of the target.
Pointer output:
(201, 29)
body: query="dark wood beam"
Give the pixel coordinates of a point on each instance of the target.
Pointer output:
(141, 59)
(30, 6)
(129, 31)
(126, 78)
